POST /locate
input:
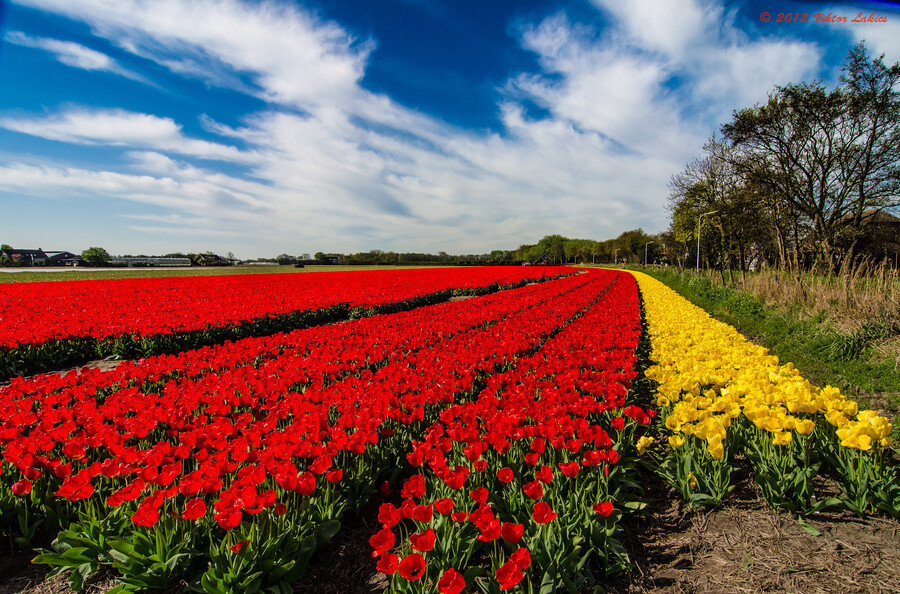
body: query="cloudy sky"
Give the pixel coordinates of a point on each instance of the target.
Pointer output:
(263, 127)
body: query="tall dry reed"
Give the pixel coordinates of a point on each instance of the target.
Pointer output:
(865, 293)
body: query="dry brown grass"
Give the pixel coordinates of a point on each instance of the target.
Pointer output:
(863, 294)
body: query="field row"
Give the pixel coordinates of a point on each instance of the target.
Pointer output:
(51, 323)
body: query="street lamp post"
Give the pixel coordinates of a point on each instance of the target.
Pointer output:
(699, 221)
(646, 245)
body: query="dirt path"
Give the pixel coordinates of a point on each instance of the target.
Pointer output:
(745, 546)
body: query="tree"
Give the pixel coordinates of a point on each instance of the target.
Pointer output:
(714, 183)
(631, 245)
(554, 246)
(824, 158)
(285, 259)
(95, 255)
(874, 107)
(501, 256)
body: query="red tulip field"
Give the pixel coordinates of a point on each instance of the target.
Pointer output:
(47, 323)
(501, 439)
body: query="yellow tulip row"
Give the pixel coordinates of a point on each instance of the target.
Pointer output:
(709, 374)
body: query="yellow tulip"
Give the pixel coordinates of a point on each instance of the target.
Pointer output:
(643, 443)
(676, 441)
(781, 438)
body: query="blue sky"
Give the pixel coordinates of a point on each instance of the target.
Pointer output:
(289, 126)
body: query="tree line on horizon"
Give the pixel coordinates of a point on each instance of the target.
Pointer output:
(553, 249)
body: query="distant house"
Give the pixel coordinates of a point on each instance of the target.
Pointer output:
(28, 258)
(62, 258)
(878, 237)
(543, 260)
(210, 259)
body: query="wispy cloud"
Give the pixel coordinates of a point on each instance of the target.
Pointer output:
(73, 54)
(118, 127)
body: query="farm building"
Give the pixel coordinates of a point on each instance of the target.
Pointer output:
(14, 257)
(62, 258)
(878, 237)
(543, 260)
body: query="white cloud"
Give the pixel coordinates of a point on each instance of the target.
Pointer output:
(604, 88)
(741, 75)
(718, 64)
(666, 26)
(72, 54)
(117, 127)
(880, 38)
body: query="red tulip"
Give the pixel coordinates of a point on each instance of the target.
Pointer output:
(444, 506)
(522, 558)
(422, 513)
(542, 512)
(306, 483)
(414, 487)
(381, 541)
(490, 530)
(452, 582)
(21, 488)
(388, 563)
(412, 567)
(544, 474)
(193, 509)
(422, 542)
(512, 533)
(388, 515)
(534, 490)
(509, 575)
(479, 495)
(145, 516)
(569, 469)
(229, 518)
